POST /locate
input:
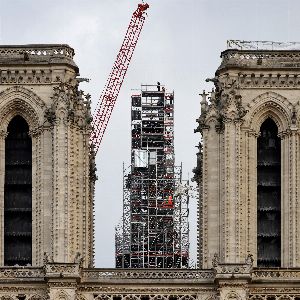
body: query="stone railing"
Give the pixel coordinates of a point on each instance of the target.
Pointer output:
(43, 50)
(21, 273)
(261, 58)
(276, 274)
(108, 274)
(69, 270)
(137, 274)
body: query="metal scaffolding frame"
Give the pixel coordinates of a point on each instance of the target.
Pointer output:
(154, 231)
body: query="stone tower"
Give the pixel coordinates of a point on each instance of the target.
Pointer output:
(46, 166)
(249, 199)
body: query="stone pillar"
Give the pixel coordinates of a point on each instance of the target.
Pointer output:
(231, 197)
(294, 197)
(61, 192)
(244, 191)
(233, 280)
(47, 176)
(3, 135)
(211, 193)
(203, 206)
(297, 204)
(37, 204)
(62, 280)
(289, 198)
(251, 195)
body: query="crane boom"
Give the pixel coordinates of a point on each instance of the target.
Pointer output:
(114, 82)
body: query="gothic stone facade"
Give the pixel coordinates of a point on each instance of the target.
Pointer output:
(39, 84)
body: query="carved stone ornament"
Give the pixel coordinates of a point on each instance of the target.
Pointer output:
(149, 297)
(62, 270)
(70, 104)
(232, 296)
(216, 260)
(146, 274)
(50, 115)
(225, 106)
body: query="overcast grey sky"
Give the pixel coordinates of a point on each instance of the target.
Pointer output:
(180, 46)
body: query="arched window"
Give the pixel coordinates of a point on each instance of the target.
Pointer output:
(268, 196)
(18, 194)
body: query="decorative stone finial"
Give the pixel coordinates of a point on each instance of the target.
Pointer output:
(78, 259)
(212, 95)
(215, 260)
(47, 258)
(203, 101)
(249, 260)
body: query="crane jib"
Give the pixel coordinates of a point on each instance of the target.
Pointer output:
(112, 88)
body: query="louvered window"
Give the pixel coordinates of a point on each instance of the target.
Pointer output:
(268, 196)
(18, 194)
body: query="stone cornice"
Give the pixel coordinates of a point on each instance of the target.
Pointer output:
(256, 79)
(260, 59)
(43, 54)
(155, 276)
(31, 76)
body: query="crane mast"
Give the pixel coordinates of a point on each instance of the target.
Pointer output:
(116, 77)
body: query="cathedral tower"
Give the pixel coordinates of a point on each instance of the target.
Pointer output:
(249, 158)
(46, 173)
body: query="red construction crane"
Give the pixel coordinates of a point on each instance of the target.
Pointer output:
(114, 82)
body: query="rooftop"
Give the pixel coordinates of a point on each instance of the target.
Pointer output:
(262, 45)
(261, 55)
(37, 54)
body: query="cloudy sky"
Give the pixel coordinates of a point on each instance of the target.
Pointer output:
(180, 46)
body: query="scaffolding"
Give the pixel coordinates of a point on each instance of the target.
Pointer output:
(153, 232)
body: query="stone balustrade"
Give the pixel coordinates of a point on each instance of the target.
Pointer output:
(42, 50)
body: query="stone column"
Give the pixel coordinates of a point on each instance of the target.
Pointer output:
(211, 191)
(232, 280)
(62, 280)
(37, 203)
(221, 194)
(244, 188)
(47, 196)
(285, 197)
(289, 198)
(3, 135)
(251, 195)
(294, 197)
(231, 197)
(297, 204)
(60, 187)
(203, 206)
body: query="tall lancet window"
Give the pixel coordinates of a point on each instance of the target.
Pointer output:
(268, 196)
(18, 194)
